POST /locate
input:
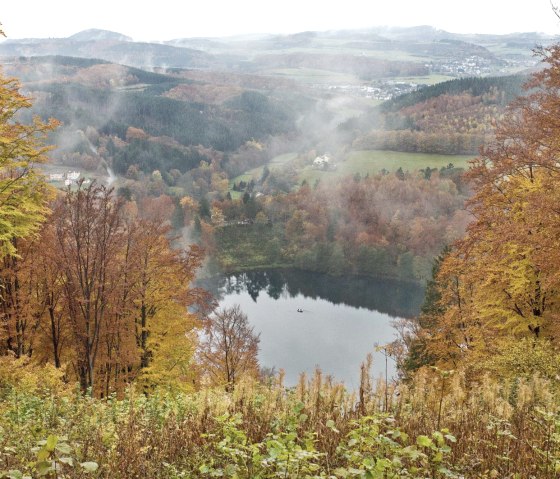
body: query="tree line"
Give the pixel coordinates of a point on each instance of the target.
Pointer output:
(101, 292)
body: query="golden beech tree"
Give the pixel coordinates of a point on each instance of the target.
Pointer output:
(501, 283)
(23, 191)
(162, 294)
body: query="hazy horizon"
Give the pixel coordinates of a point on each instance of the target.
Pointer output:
(267, 34)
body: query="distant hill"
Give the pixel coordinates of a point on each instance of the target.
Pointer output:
(95, 34)
(418, 46)
(112, 47)
(510, 85)
(237, 102)
(122, 117)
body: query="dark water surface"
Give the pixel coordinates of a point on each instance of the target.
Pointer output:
(342, 318)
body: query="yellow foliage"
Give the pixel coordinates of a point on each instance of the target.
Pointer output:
(23, 191)
(254, 144)
(29, 377)
(524, 358)
(172, 342)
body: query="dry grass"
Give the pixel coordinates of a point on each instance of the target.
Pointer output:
(502, 429)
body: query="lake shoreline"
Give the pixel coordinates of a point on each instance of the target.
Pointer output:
(307, 319)
(283, 267)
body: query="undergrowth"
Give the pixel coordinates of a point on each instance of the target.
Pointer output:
(437, 426)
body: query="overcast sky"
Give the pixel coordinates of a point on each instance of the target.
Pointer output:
(168, 19)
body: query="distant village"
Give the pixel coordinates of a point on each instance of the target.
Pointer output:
(68, 178)
(382, 90)
(473, 65)
(476, 65)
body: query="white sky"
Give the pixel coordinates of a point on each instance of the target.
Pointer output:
(168, 19)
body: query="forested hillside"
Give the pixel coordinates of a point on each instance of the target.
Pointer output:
(453, 117)
(493, 300)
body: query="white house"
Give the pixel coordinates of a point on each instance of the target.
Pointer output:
(321, 162)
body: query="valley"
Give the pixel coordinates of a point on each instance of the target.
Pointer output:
(294, 137)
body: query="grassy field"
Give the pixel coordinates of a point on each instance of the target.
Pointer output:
(363, 162)
(346, 48)
(315, 76)
(310, 75)
(373, 161)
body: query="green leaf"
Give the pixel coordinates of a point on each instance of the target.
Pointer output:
(412, 453)
(64, 448)
(44, 467)
(438, 457)
(43, 454)
(446, 472)
(89, 466)
(299, 407)
(67, 460)
(424, 441)
(230, 470)
(450, 438)
(368, 463)
(51, 442)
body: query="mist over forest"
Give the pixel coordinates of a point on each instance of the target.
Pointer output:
(228, 131)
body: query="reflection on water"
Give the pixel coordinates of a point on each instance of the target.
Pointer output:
(396, 298)
(341, 318)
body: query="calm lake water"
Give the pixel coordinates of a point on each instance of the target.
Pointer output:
(342, 319)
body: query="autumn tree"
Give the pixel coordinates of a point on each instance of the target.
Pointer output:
(501, 283)
(161, 293)
(90, 239)
(21, 304)
(229, 347)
